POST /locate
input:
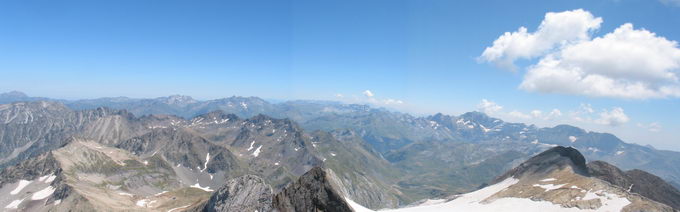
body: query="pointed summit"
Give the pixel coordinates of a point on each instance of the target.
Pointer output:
(312, 192)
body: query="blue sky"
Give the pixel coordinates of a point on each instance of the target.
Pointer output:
(416, 56)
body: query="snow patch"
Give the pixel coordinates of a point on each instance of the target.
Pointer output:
(42, 194)
(125, 194)
(207, 159)
(207, 188)
(572, 139)
(251, 146)
(257, 151)
(548, 179)
(21, 186)
(619, 152)
(142, 202)
(14, 204)
(549, 187)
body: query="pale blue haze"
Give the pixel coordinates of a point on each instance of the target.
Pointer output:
(421, 52)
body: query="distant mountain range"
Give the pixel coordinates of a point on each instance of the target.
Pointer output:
(143, 154)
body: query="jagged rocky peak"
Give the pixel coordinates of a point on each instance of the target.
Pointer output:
(182, 146)
(311, 192)
(556, 158)
(218, 115)
(245, 193)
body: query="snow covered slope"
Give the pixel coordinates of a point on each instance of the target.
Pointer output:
(555, 180)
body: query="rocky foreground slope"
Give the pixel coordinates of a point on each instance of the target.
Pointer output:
(556, 180)
(87, 176)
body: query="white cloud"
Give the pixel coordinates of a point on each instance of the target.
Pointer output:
(339, 95)
(557, 29)
(368, 93)
(627, 63)
(392, 102)
(652, 127)
(555, 113)
(519, 115)
(488, 107)
(586, 108)
(614, 117)
(536, 114)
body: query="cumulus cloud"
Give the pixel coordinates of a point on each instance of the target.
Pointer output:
(557, 29)
(488, 107)
(627, 63)
(614, 117)
(368, 93)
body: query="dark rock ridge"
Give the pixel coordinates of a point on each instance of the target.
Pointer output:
(637, 181)
(312, 192)
(553, 159)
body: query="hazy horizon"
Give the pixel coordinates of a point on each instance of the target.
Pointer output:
(605, 65)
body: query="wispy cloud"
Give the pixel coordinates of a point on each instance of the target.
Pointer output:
(368, 97)
(671, 2)
(652, 127)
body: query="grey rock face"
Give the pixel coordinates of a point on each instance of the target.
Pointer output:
(31, 128)
(637, 181)
(245, 193)
(180, 146)
(312, 192)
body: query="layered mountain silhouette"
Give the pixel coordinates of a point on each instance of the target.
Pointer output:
(181, 153)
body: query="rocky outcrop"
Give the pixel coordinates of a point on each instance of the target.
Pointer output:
(637, 181)
(548, 161)
(245, 193)
(312, 192)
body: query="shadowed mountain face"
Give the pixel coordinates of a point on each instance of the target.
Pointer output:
(546, 162)
(637, 181)
(312, 192)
